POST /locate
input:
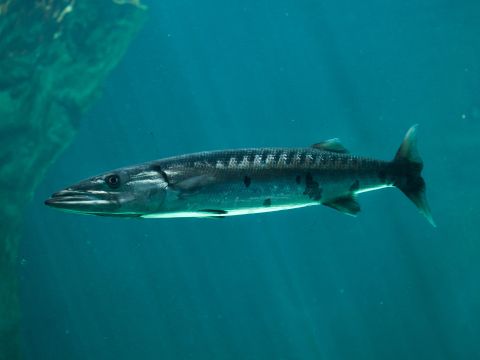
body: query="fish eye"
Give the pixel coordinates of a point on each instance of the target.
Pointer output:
(113, 181)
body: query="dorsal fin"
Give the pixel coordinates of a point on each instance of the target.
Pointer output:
(333, 145)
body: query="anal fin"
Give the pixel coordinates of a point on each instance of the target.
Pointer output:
(345, 204)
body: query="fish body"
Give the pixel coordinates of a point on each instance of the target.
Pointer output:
(247, 181)
(243, 181)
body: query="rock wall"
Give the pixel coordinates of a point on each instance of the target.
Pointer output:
(54, 56)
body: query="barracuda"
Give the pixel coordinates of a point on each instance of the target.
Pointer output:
(247, 181)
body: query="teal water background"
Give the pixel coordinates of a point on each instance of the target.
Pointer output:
(303, 284)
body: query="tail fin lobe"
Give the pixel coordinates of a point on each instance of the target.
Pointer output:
(409, 165)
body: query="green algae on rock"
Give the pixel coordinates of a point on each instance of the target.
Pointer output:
(54, 56)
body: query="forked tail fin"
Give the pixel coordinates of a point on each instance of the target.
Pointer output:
(408, 168)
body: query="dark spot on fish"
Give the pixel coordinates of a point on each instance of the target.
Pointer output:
(298, 179)
(215, 211)
(308, 178)
(355, 185)
(382, 175)
(312, 188)
(267, 202)
(247, 181)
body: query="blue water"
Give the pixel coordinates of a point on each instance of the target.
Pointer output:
(302, 284)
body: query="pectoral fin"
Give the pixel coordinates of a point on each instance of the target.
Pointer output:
(346, 204)
(214, 211)
(190, 186)
(194, 183)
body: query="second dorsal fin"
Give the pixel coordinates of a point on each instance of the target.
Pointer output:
(333, 145)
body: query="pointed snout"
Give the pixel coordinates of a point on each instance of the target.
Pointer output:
(81, 201)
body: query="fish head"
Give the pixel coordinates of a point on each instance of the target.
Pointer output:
(127, 192)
